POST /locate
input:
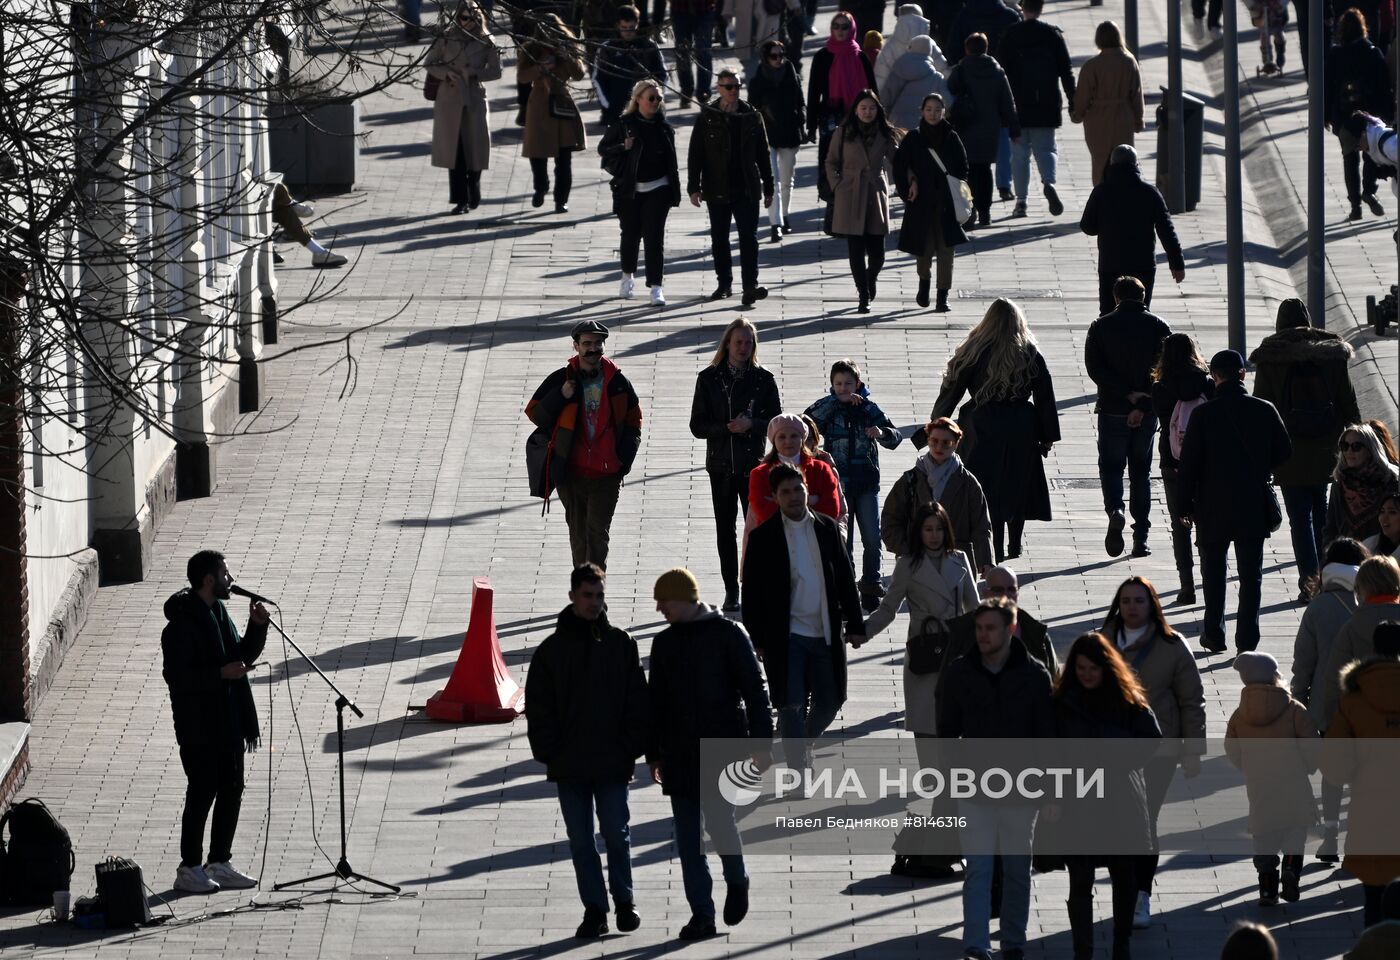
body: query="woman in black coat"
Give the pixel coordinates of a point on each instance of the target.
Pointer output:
(1356, 78)
(1098, 697)
(776, 92)
(1179, 377)
(830, 92)
(931, 229)
(1010, 421)
(640, 153)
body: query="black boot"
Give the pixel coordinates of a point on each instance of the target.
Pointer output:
(1268, 889)
(594, 925)
(474, 189)
(942, 305)
(870, 284)
(1081, 926)
(1292, 867)
(922, 297)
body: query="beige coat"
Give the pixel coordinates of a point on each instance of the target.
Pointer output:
(859, 176)
(464, 64)
(1108, 101)
(545, 134)
(1168, 672)
(942, 590)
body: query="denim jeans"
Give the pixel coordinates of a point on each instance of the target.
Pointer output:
(1041, 142)
(717, 817)
(1008, 828)
(865, 505)
(1004, 160)
(810, 674)
(694, 62)
(1249, 557)
(577, 799)
(1306, 506)
(1123, 446)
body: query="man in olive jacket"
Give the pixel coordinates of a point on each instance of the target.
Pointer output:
(1233, 444)
(1304, 372)
(586, 711)
(724, 127)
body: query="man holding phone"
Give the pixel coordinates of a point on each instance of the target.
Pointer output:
(206, 666)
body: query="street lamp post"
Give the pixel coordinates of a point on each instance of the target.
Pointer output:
(1317, 211)
(1234, 202)
(1130, 26)
(1176, 125)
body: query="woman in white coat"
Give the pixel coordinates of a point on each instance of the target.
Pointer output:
(909, 23)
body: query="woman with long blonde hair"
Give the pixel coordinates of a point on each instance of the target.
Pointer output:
(1009, 421)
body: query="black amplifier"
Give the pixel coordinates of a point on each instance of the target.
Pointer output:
(122, 892)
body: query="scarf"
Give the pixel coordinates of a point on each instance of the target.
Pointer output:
(1362, 489)
(938, 474)
(847, 77)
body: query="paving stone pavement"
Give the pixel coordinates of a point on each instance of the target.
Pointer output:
(367, 516)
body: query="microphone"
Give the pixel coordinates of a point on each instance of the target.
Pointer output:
(235, 588)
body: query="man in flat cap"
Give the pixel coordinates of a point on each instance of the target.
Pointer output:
(1232, 446)
(589, 426)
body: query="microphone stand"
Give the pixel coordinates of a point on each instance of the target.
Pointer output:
(343, 870)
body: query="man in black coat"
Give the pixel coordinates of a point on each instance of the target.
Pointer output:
(586, 715)
(1036, 60)
(1002, 583)
(1232, 446)
(205, 665)
(1124, 211)
(730, 184)
(624, 61)
(996, 691)
(991, 18)
(799, 589)
(705, 685)
(1120, 351)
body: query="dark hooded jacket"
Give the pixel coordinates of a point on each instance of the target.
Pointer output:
(1304, 373)
(990, 17)
(198, 640)
(1036, 60)
(586, 701)
(982, 79)
(1124, 211)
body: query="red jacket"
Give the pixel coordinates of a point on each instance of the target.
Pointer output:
(822, 490)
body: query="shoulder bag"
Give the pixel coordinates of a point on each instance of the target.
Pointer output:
(430, 87)
(929, 646)
(958, 190)
(562, 106)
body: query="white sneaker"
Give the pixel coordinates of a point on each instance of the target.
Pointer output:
(328, 259)
(226, 876)
(658, 296)
(628, 285)
(1142, 916)
(303, 209)
(194, 880)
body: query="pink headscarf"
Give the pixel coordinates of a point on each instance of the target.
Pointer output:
(847, 78)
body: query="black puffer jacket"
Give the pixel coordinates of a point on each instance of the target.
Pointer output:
(777, 94)
(1012, 704)
(719, 398)
(1124, 211)
(1120, 351)
(705, 684)
(198, 640)
(586, 701)
(655, 134)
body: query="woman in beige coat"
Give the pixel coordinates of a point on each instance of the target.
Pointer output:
(858, 170)
(553, 126)
(1108, 100)
(463, 59)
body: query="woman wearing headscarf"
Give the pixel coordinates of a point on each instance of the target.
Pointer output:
(855, 170)
(1108, 100)
(463, 59)
(927, 156)
(776, 92)
(553, 126)
(840, 71)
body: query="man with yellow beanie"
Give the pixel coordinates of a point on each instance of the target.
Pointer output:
(705, 683)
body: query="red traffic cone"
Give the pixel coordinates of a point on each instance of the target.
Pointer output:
(481, 689)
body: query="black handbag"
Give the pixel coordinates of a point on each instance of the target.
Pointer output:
(928, 647)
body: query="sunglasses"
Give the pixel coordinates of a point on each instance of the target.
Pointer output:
(652, 98)
(1357, 447)
(727, 86)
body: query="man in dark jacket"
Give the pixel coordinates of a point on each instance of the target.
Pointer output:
(589, 428)
(991, 18)
(705, 686)
(997, 691)
(799, 589)
(1120, 351)
(586, 715)
(1002, 583)
(1304, 373)
(1233, 444)
(205, 665)
(1123, 212)
(624, 61)
(694, 24)
(728, 166)
(734, 400)
(1036, 60)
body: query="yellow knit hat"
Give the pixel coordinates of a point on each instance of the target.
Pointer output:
(678, 583)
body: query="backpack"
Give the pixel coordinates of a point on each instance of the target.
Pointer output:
(39, 858)
(1181, 417)
(1306, 402)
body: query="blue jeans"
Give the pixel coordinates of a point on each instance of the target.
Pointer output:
(1249, 557)
(1041, 142)
(865, 510)
(576, 800)
(717, 817)
(1306, 506)
(1004, 160)
(1123, 446)
(810, 673)
(1007, 828)
(694, 34)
